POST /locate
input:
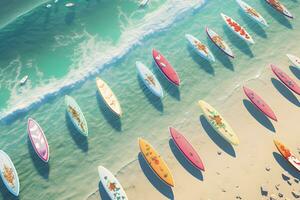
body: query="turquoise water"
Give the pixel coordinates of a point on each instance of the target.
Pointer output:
(63, 50)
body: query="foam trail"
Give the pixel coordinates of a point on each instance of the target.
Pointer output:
(91, 64)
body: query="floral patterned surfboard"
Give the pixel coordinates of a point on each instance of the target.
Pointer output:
(111, 185)
(218, 123)
(287, 154)
(156, 163)
(9, 174)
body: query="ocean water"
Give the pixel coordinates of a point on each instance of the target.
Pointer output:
(64, 49)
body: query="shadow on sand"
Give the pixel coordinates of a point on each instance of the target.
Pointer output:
(255, 26)
(240, 44)
(214, 136)
(203, 63)
(258, 115)
(80, 140)
(276, 15)
(110, 117)
(285, 92)
(220, 56)
(171, 89)
(295, 71)
(286, 165)
(42, 167)
(154, 179)
(152, 99)
(102, 192)
(184, 162)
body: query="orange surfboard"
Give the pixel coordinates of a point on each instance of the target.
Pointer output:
(157, 164)
(287, 154)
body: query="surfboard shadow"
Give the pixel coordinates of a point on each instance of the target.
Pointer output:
(70, 17)
(280, 18)
(170, 88)
(204, 64)
(255, 27)
(154, 100)
(214, 136)
(109, 116)
(102, 192)
(220, 56)
(258, 115)
(42, 167)
(80, 140)
(285, 92)
(184, 162)
(295, 71)
(5, 194)
(242, 45)
(286, 165)
(154, 180)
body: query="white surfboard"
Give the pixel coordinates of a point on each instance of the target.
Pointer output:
(294, 59)
(111, 185)
(149, 80)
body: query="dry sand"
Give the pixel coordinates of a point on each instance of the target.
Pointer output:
(238, 171)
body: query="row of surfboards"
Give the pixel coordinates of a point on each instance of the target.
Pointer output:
(113, 187)
(155, 161)
(236, 28)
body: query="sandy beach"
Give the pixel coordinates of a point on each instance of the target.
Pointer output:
(231, 172)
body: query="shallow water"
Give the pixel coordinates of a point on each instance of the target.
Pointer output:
(63, 50)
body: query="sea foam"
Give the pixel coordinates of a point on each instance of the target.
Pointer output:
(92, 60)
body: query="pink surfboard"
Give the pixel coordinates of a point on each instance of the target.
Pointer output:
(38, 139)
(165, 67)
(187, 149)
(288, 81)
(260, 103)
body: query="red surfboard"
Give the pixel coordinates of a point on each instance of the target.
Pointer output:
(187, 149)
(260, 103)
(288, 81)
(165, 67)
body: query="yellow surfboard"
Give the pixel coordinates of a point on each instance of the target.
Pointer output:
(156, 163)
(218, 123)
(109, 97)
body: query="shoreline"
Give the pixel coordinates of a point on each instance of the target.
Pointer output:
(256, 134)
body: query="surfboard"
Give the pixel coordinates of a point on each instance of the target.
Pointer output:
(156, 162)
(187, 149)
(286, 79)
(9, 174)
(294, 59)
(218, 123)
(219, 42)
(200, 48)
(237, 29)
(143, 3)
(259, 103)
(23, 80)
(149, 80)
(279, 7)
(109, 97)
(165, 67)
(38, 139)
(252, 13)
(287, 154)
(76, 115)
(111, 184)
